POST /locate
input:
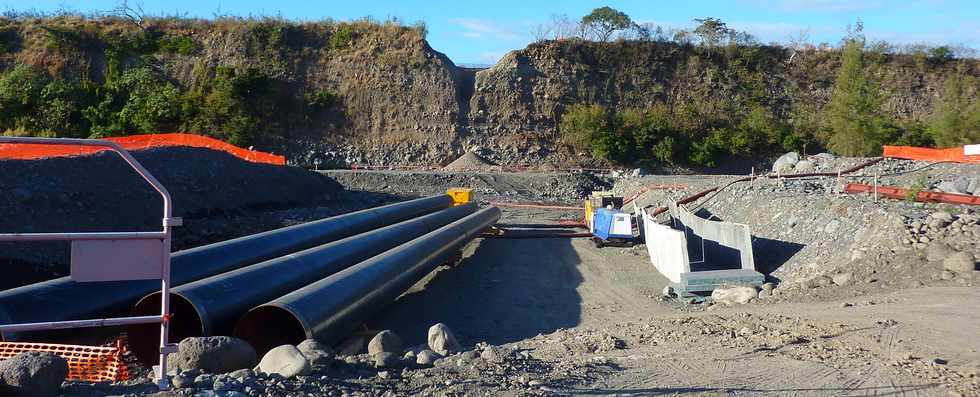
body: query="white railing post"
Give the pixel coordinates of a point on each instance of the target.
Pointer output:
(164, 236)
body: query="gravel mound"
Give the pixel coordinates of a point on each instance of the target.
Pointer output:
(469, 162)
(567, 188)
(101, 193)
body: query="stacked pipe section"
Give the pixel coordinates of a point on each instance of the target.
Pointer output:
(330, 309)
(211, 306)
(64, 299)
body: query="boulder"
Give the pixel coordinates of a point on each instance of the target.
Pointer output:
(225, 383)
(214, 354)
(492, 354)
(831, 227)
(785, 163)
(182, 380)
(804, 166)
(842, 278)
(817, 281)
(315, 352)
(385, 341)
(824, 156)
(286, 361)
(427, 357)
(242, 374)
(386, 360)
(732, 295)
(960, 262)
(942, 216)
(668, 292)
(441, 340)
(35, 374)
(949, 187)
(937, 251)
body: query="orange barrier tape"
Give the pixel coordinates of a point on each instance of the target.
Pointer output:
(957, 154)
(85, 363)
(137, 142)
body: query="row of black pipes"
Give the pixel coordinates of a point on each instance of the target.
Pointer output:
(315, 280)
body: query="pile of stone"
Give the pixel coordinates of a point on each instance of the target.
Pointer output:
(961, 185)
(469, 161)
(793, 163)
(230, 367)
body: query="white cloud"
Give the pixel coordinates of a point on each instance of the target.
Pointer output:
(479, 29)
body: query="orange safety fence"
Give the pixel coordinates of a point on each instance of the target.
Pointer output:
(85, 363)
(962, 154)
(137, 142)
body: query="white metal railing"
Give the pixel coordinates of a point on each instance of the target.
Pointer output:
(90, 255)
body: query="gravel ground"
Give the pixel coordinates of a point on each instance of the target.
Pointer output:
(562, 317)
(218, 195)
(536, 187)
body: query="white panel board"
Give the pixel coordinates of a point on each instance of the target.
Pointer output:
(114, 260)
(667, 248)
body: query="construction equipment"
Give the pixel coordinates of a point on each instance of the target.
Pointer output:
(609, 225)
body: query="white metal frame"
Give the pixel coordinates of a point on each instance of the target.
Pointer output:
(169, 221)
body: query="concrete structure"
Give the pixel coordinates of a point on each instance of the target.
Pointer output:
(697, 254)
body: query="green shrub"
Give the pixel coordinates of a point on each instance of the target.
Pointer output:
(181, 45)
(60, 111)
(581, 125)
(957, 118)
(666, 150)
(615, 145)
(140, 101)
(20, 96)
(342, 37)
(320, 99)
(940, 54)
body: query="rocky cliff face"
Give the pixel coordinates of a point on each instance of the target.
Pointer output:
(395, 92)
(401, 102)
(527, 91)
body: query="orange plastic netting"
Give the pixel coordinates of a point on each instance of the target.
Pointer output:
(957, 154)
(85, 363)
(137, 142)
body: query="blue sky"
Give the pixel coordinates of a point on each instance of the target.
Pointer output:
(481, 32)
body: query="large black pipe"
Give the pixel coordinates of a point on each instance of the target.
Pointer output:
(211, 305)
(330, 308)
(64, 299)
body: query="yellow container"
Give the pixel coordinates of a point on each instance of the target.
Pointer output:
(588, 213)
(460, 195)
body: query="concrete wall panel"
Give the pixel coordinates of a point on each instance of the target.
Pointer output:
(666, 247)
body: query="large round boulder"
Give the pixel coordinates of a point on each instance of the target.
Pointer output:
(286, 361)
(441, 340)
(214, 354)
(35, 374)
(385, 342)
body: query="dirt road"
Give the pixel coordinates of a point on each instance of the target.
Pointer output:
(507, 290)
(547, 296)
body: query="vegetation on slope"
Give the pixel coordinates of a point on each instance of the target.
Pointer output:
(74, 76)
(701, 127)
